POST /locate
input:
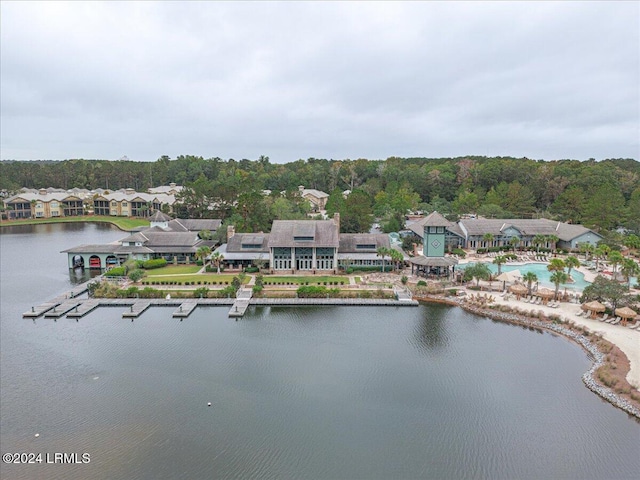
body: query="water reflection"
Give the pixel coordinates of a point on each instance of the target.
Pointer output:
(80, 275)
(431, 329)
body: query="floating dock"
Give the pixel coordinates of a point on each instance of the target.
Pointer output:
(135, 310)
(59, 310)
(75, 307)
(185, 309)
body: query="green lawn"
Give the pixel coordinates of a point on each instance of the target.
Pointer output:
(123, 223)
(173, 270)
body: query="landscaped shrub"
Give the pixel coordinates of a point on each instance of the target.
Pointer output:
(149, 292)
(115, 272)
(136, 275)
(311, 291)
(154, 263)
(202, 292)
(252, 269)
(421, 283)
(459, 252)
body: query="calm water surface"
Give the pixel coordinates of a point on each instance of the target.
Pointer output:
(427, 392)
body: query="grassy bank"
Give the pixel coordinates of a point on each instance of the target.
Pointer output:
(123, 223)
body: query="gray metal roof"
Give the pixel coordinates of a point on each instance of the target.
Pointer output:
(433, 261)
(350, 241)
(323, 232)
(529, 227)
(235, 243)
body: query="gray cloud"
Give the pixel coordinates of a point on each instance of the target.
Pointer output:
(313, 79)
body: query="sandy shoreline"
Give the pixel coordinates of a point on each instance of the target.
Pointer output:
(628, 341)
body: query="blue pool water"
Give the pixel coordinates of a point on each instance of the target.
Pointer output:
(540, 269)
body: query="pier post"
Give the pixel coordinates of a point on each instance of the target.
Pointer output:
(33, 309)
(131, 308)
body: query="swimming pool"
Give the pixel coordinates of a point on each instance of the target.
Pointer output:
(540, 269)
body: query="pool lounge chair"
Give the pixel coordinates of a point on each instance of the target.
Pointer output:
(604, 318)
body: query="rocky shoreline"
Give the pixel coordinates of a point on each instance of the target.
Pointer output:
(588, 377)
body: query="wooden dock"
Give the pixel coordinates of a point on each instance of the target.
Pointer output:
(137, 308)
(70, 304)
(84, 308)
(185, 309)
(59, 310)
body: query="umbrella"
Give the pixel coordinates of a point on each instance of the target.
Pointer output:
(625, 313)
(545, 293)
(518, 289)
(594, 307)
(505, 277)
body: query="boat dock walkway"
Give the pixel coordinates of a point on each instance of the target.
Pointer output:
(62, 308)
(239, 307)
(75, 307)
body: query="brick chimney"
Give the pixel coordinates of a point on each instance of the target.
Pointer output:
(336, 220)
(231, 231)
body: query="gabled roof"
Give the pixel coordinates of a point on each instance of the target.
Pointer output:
(530, 227)
(434, 219)
(349, 242)
(323, 232)
(195, 225)
(235, 243)
(159, 217)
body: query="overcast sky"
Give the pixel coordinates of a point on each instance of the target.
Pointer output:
(543, 80)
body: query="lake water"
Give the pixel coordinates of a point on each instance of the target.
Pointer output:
(345, 392)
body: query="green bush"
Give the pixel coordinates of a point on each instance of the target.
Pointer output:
(311, 291)
(252, 269)
(154, 263)
(136, 275)
(460, 252)
(202, 292)
(421, 283)
(115, 272)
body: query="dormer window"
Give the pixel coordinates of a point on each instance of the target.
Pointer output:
(365, 246)
(303, 239)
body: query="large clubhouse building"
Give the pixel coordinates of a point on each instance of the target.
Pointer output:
(304, 245)
(318, 246)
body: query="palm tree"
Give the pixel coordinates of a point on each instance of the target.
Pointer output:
(202, 253)
(499, 261)
(558, 278)
(216, 259)
(586, 249)
(396, 257)
(488, 239)
(601, 252)
(537, 241)
(382, 252)
(556, 265)
(553, 240)
(530, 278)
(615, 259)
(629, 269)
(571, 262)
(514, 241)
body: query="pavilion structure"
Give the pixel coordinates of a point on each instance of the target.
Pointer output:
(433, 263)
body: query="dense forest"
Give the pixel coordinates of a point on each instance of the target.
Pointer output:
(600, 194)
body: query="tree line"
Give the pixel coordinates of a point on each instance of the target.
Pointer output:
(599, 194)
